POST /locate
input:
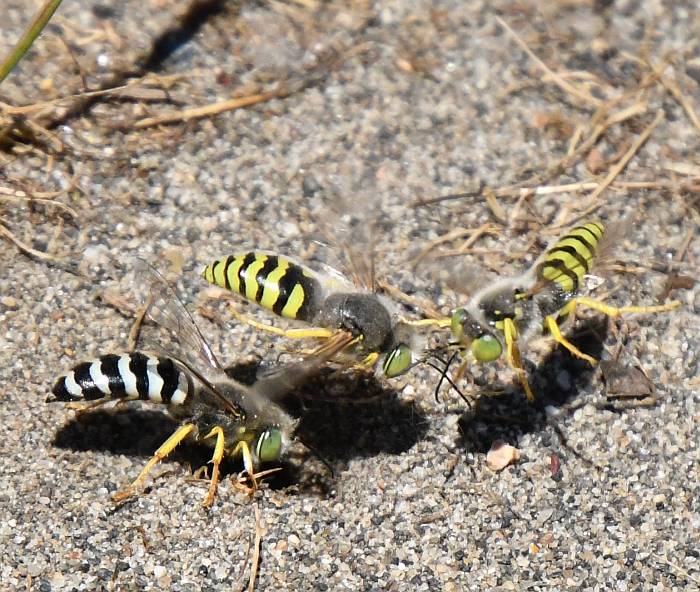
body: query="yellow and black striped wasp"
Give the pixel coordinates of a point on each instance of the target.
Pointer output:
(235, 419)
(330, 303)
(513, 310)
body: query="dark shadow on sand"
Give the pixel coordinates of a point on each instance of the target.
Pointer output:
(342, 416)
(509, 416)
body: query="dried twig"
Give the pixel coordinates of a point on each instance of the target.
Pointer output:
(21, 197)
(674, 90)
(472, 233)
(26, 249)
(426, 308)
(678, 568)
(206, 111)
(610, 177)
(255, 561)
(558, 80)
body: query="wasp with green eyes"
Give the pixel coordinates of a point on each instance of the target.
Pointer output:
(235, 419)
(513, 310)
(331, 303)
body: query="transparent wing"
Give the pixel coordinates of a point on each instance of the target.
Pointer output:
(458, 278)
(280, 380)
(164, 307)
(348, 226)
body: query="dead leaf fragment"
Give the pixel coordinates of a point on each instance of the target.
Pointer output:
(626, 381)
(501, 455)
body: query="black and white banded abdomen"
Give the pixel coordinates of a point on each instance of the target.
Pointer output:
(129, 376)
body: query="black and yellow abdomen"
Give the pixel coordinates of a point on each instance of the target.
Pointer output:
(571, 258)
(274, 282)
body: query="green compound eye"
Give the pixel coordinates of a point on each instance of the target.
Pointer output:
(397, 361)
(486, 348)
(269, 445)
(459, 317)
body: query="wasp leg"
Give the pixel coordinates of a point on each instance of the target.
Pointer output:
(368, 363)
(300, 333)
(615, 311)
(81, 408)
(165, 448)
(551, 324)
(243, 449)
(513, 355)
(338, 341)
(457, 376)
(216, 459)
(444, 322)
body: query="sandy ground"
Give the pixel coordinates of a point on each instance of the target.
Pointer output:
(400, 102)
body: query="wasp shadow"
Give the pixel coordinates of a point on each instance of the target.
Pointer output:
(556, 381)
(341, 416)
(344, 415)
(128, 430)
(138, 432)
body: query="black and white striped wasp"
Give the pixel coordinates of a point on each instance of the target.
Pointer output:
(237, 420)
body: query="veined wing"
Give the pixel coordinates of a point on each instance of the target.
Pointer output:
(281, 380)
(164, 307)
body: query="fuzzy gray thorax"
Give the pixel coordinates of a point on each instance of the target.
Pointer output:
(361, 314)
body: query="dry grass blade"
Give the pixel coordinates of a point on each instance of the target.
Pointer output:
(20, 197)
(26, 249)
(425, 307)
(601, 121)
(672, 87)
(131, 89)
(682, 168)
(622, 163)
(473, 233)
(610, 177)
(558, 80)
(282, 91)
(255, 561)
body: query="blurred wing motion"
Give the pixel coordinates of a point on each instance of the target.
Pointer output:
(349, 230)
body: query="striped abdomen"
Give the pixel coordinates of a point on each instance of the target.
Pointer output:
(126, 376)
(274, 282)
(572, 257)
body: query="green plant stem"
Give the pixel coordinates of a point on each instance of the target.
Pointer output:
(25, 42)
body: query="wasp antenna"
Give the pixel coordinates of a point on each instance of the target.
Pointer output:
(318, 455)
(444, 376)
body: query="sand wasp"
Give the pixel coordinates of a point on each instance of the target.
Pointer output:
(332, 304)
(237, 420)
(513, 310)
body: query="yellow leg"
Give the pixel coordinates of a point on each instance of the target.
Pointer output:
(551, 324)
(445, 322)
(369, 362)
(301, 333)
(243, 449)
(337, 342)
(513, 356)
(216, 459)
(165, 448)
(614, 311)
